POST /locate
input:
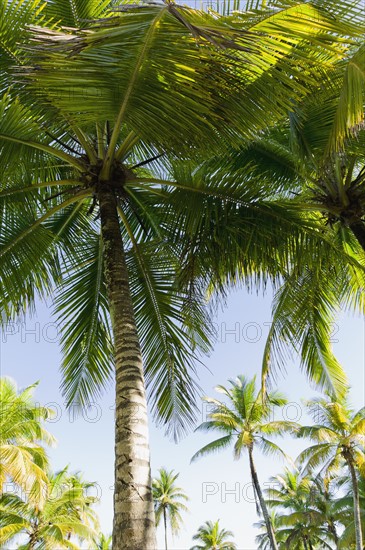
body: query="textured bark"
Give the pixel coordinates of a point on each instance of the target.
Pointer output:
(263, 506)
(134, 520)
(357, 516)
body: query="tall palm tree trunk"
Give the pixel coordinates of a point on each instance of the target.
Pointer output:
(134, 521)
(165, 526)
(356, 497)
(265, 513)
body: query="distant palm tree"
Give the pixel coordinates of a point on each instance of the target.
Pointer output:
(23, 460)
(67, 512)
(344, 506)
(304, 511)
(325, 501)
(262, 539)
(167, 497)
(103, 542)
(212, 537)
(246, 423)
(339, 434)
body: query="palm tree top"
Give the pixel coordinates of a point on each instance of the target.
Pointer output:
(245, 419)
(67, 511)
(338, 434)
(23, 457)
(103, 542)
(168, 501)
(166, 483)
(213, 537)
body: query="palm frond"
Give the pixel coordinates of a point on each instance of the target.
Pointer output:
(82, 309)
(213, 447)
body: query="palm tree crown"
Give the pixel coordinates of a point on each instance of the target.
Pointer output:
(103, 542)
(66, 513)
(247, 423)
(246, 420)
(23, 459)
(339, 436)
(212, 537)
(304, 510)
(167, 499)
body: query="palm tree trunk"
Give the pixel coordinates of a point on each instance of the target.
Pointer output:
(165, 525)
(134, 521)
(265, 513)
(33, 539)
(333, 530)
(357, 516)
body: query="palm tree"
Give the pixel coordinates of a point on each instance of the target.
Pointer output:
(67, 512)
(103, 542)
(212, 537)
(317, 155)
(339, 437)
(23, 459)
(262, 539)
(344, 506)
(304, 511)
(84, 112)
(245, 422)
(325, 501)
(167, 499)
(315, 163)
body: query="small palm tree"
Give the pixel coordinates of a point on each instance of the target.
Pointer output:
(103, 542)
(245, 422)
(344, 506)
(212, 537)
(23, 460)
(304, 511)
(167, 499)
(67, 512)
(339, 434)
(262, 539)
(325, 501)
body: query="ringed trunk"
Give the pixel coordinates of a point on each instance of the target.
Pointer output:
(357, 515)
(265, 513)
(134, 519)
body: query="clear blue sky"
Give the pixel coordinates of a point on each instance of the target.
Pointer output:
(86, 443)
